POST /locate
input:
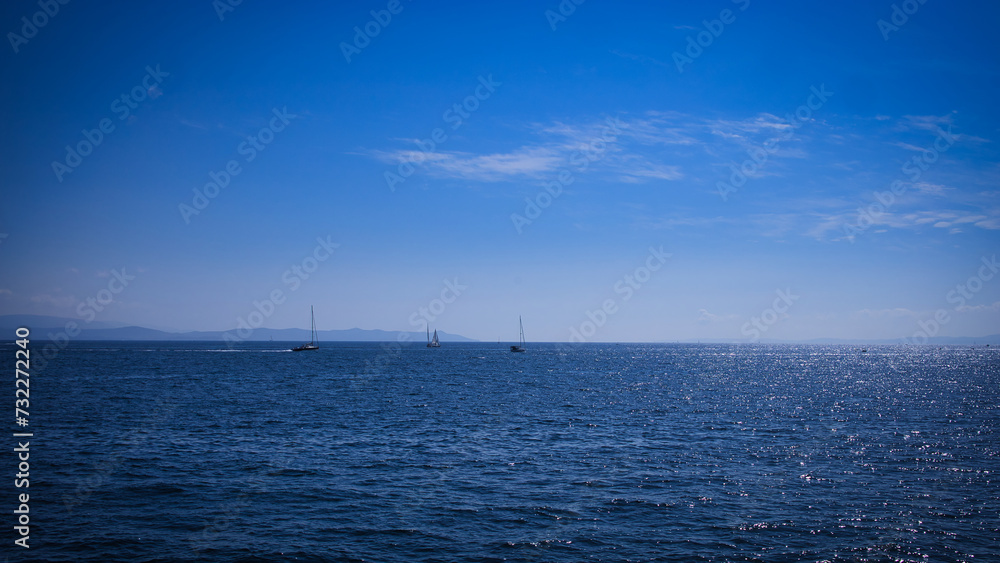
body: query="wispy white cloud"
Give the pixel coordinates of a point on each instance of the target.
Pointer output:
(640, 58)
(931, 189)
(945, 218)
(792, 152)
(194, 125)
(526, 162)
(830, 226)
(908, 146)
(993, 223)
(666, 128)
(650, 170)
(970, 219)
(764, 122)
(886, 313)
(992, 307)
(659, 146)
(934, 123)
(619, 147)
(653, 146)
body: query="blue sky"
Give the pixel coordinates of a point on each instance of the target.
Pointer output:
(613, 107)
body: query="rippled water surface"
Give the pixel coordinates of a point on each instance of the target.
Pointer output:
(357, 452)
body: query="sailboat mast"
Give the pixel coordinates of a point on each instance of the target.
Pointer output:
(312, 313)
(312, 334)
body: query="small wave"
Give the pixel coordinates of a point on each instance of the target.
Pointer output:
(148, 491)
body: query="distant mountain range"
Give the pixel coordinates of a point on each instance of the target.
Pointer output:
(43, 327)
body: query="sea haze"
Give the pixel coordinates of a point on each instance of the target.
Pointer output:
(59, 328)
(369, 452)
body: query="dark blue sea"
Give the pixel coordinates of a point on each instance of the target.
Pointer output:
(363, 452)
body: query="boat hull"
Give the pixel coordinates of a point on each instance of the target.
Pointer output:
(312, 334)
(520, 347)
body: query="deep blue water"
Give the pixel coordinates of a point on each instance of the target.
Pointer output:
(189, 451)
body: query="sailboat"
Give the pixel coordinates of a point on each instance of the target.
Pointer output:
(312, 342)
(432, 343)
(521, 347)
